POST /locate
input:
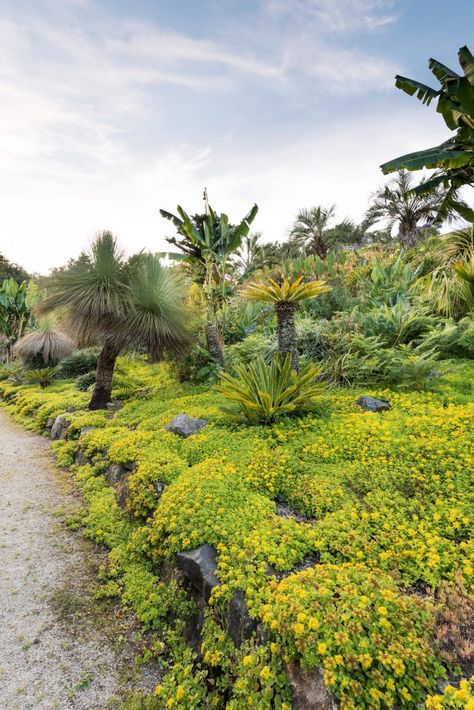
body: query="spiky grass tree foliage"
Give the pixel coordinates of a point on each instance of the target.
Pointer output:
(285, 295)
(45, 346)
(117, 304)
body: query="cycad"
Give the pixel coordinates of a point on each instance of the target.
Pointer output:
(285, 295)
(264, 392)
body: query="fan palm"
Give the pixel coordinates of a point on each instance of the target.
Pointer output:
(397, 206)
(285, 295)
(117, 304)
(465, 271)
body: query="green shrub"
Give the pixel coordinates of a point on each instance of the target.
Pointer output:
(248, 350)
(197, 366)
(264, 392)
(454, 339)
(84, 382)
(79, 363)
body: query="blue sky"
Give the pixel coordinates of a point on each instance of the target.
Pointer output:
(113, 109)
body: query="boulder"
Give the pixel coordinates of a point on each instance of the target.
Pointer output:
(115, 473)
(372, 404)
(159, 488)
(50, 422)
(114, 406)
(185, 426)
(239, 624)
(80, 458)
(86, 429)
(309, 690)
(58, 430)
(199, 567)
(121, 493)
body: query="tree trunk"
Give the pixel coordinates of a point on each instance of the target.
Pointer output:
(407, 237)
(214, 343)
(285, 313)
(102, 394)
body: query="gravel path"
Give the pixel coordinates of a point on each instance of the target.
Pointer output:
(54, 653)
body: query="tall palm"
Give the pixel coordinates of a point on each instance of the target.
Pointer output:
(396, 205)
(310, 230)
(117, 304)
(285, 294)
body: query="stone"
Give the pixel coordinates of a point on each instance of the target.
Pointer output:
(130, 465)
(86, 429)
(185, 426)
(309, 690)
(239, 624)
(199, 568)
(372, 404)
(115, 473)
(80, 458)
(121, 493)
(58, 430)
(50, 422)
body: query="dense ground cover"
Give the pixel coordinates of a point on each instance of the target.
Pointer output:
(341, 528)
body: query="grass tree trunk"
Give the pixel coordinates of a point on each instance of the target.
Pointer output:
(102, 394)
(214, 343)
(285, 313)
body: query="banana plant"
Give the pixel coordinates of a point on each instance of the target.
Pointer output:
(16, 300)
(208, 241)
(454, 158)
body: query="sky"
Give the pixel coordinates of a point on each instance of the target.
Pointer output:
(113, 109)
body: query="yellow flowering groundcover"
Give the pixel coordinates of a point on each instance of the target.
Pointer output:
(377, 514)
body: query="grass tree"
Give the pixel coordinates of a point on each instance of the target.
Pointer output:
(46, 345)
(286, 294)
(118, 304)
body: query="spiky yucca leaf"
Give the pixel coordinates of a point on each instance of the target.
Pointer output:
(264, 392)
(288, 291)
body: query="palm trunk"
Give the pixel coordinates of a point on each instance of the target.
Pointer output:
(407, 237)
(102, 394)
(214, 343)
(285, 313)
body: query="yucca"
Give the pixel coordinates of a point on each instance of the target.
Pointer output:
(264, 392)
(46, 345)
(285, 295)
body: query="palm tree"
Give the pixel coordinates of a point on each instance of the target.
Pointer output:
(310, 230)
(46, 345)
(465, 272)
(285, 295)
(397, 206)
(116, 303)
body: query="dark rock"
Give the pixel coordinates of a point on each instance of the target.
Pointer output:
(239, 624)
(80, 458)
(185, 426)
(199, 567)
(372, 404)
(287, 511)
(121, 493)
(130, 465)
(58, 430)
(115, 473)
(309, 690)
(306, 562)
(50, 422)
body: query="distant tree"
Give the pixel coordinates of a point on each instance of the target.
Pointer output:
(396, 205)
(454, 158)
(313, 234)
(9, 270)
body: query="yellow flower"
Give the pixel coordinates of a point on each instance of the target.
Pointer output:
(322, 648)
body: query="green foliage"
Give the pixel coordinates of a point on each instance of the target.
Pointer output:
(450, 339)
(196, 366)
(454, 157)
(254, 346)
(16, 300)
(264, 392)
(79, 363)
(42, 377)
(8, 270)
(84, 382)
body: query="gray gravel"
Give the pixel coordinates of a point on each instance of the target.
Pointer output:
(53, 652)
